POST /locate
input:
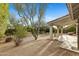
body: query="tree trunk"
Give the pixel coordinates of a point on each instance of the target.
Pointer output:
(18, 41)
(36, 38)
(35, 35)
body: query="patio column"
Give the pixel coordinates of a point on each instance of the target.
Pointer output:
(57, 31)
(61, 30)
(51, 32)
(78, 32)
(76, 28)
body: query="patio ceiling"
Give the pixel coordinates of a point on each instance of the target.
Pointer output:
(73, 10)
(62, 21)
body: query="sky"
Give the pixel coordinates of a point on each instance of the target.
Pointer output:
(53, 11)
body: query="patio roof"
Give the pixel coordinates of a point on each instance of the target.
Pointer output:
(62, 21)
(73, 10)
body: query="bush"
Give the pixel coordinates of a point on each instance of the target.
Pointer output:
(10, 32)
(20, 33)
(3, 18)
(9, 39)
(28, 28)
(71, 29)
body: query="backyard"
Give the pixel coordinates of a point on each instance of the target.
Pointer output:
(26, 30)
(29, 47)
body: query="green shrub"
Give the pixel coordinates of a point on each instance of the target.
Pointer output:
(20, 31)
(10, 32)
(3, 18)
(71, 29)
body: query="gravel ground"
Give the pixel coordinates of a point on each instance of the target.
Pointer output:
(30, 47)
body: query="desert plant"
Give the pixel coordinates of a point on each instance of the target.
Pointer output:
(20, 33)
(3, 18)
(30, 12)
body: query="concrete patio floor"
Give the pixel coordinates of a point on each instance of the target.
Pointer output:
(30, 47)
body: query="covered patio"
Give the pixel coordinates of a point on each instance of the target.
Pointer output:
(68, 41)
(60, 23)
(64, 22)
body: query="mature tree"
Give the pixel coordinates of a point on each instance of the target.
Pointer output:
(31, 13)
(3, 18)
